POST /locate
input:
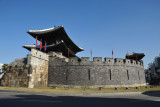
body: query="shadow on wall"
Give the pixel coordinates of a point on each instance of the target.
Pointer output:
(152, 93)
(31, 100)
(1, 76)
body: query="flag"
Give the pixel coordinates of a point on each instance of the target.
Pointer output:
(45, 47)
(112, 52)
(91, 51)
(36, 41)
(41, 45)
(68, 52)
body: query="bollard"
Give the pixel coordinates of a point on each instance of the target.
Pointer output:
(151, 86)
(127, 88)
(100, 88)
(138, 88)
(116, 88)
(146, 86)
(54, 87)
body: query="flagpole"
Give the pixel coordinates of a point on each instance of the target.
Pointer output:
(36, 41)
(68, 53)
(91, 54)
(112, 53)
(45, 47)
(41, 45)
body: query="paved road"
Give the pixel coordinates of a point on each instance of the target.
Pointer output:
(19, 99)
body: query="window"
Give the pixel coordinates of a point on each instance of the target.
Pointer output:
(67, 74)
(138, 75)
(127, 74)
(110, 74)
(89, 74)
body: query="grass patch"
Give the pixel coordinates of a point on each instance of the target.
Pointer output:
(79, 90)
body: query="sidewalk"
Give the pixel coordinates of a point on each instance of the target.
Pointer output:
(75, 94)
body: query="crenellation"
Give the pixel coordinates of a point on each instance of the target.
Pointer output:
(108, 61)
(138, 63)
(73, 61)
(127, 61)
(97, 61)
(85, 61)
(133, 62)
(118, 61)
(142, 63)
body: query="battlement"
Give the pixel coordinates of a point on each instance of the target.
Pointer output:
(87, 72)
(107, 61)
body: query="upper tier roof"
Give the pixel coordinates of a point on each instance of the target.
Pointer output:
(135, 56)
(54, 34)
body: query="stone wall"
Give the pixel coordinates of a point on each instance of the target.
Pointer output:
(15, 77)
(18, 62)
(41, 70)
(38, 62)
(27, 72)
(120, 72)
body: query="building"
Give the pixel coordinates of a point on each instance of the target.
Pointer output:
(153, 72)
(1, 72)
(157, 64)
(54, 63)
(1, 65)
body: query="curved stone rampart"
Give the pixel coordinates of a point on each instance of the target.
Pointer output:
(95, 73)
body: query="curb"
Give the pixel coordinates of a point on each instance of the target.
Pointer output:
(77, 94)
(95, 94)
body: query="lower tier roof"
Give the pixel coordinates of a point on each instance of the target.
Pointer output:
(61, 47)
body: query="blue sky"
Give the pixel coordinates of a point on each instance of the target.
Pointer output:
(100, 25)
